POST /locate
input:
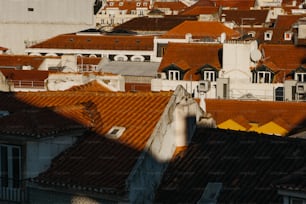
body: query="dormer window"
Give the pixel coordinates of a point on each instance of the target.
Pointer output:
(300, 77)
(208, 72)
(120, 3)
(145, 3)
(209, 75)
(252, 34)
(115, 132)
(174, 75)
(262, 77)
(288, 35)
(111, 3)
(138, 4)
(268, 35)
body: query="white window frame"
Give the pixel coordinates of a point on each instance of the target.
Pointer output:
(262, 79)
(300, 77)
(252, 34)
(10, 183)
(174, 75)
(268, 35)
(209, 75)
(290, 35)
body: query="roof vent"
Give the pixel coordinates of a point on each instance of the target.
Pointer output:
(115, 132)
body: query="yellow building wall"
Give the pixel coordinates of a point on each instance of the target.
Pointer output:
(271, 128)
(232, 125)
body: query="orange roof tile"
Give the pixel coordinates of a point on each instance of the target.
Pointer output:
(261, 112)
(27, 75)
(176, 5)
(153, 24)
(287, 21)
(98, 42)
(237, 16)
(100, 111)
(190, 56)
(239, 4)
(17, 61)
(198, 10)
(285, 57)
(201, 29)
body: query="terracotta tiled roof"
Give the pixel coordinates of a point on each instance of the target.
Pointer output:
(28, 75)
(246, 164)
(98, 42)
(237, 16)
(153, 24)
(239, 4)
(174, 6)
(192, 55)
(292, 114)
(111, 159)
(34, 123)
(285, 57)
(287, 21)
(200, 29)
(198, 10)
(17, 61)
(91, 86)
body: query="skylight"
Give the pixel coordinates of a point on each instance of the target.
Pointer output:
(115, 132)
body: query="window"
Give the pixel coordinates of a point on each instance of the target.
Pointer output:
(10, 166)
(174, 75)
(209, 75)
(138, 4)
(262, 77)
(300, 77)
(115, 132)
(120, 3)
(31, 9)
(268, 35)
(252, 34)
(288, 35)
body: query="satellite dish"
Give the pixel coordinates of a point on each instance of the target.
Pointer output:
(256, 55)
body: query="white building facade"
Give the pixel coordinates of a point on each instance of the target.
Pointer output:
(23, 23)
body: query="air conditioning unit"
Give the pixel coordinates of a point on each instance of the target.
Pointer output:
(301, 88)
(204, 86)
(161, 75)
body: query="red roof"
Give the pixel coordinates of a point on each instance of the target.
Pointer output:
(201, 29)
(191, 57)
(17, 61)
(98, 42)
(260, 112)
(26, 75)
(112, 160)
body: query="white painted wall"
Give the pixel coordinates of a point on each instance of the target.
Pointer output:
(63, 81)
(19, 26)
(166, 137)
(45, 11)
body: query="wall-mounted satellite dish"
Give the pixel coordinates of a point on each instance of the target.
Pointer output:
(256, 55)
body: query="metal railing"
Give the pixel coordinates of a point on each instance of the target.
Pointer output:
(14, 194)
(26, 84)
